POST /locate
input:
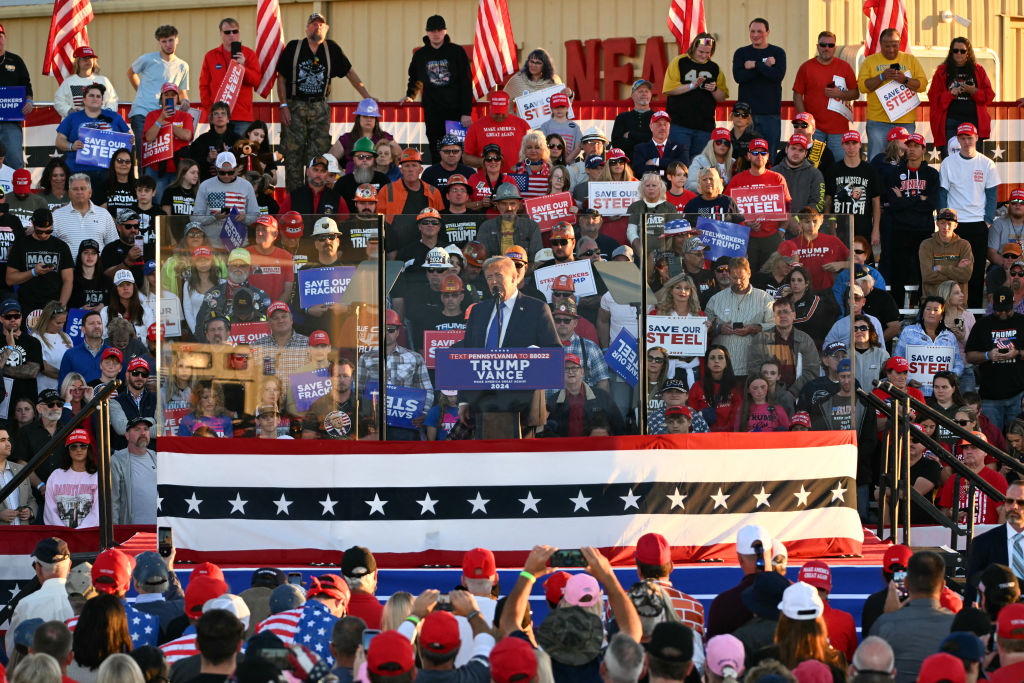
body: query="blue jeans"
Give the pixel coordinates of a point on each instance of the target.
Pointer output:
(692, 139)
(1001, 412)
(877, 133)
(770, 128)
(834, 142)
(13, 138)
(138, 124)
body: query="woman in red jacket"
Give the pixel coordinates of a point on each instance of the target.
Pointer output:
(960, 92)
(717, 395)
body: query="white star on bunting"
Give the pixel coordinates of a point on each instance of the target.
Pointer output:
(376, 505)
(630, 500)
(801, 496)
(677, 499)
(193, 504)
(283, 504)
(479, 503)
(328, 505)
(581, 502)
(427, 504)
(762, 498)
(934, 156)
(838, 493)
(238, 505)
(530, 503)
(720, 499)
(997, 152)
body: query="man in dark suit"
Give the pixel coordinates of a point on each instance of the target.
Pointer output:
(994, 546)
(523, 322)
(656, 155)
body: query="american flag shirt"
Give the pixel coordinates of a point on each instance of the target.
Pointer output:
(531, 181)
(309, 626)
(182, 647)
(143, 628)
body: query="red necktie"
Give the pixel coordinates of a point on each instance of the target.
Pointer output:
(661, 150)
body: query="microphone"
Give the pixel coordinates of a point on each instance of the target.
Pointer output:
(497, 291)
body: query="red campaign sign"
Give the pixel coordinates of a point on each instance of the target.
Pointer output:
(231, 85)
(550, 209)
(158, 150)
(172, 418)
(439, 339)
(247, 333)
(768, 203)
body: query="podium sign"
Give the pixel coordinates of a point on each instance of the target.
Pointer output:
(500, 369)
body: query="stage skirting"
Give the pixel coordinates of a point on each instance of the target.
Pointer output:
(256, 502)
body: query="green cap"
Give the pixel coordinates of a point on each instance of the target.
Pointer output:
(365, 145)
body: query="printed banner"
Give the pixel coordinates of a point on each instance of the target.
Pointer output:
(623, 357)
(613, 198)
(502, 369)
(680, 335)
(172, 418)
(100, 145)
(725, 239)
(581, 272)
(925, 361)
(73, 325)
(455, 128)
(231, 85)
(438, 339)
(323, 285)
(535, 107)
(233, 232)
(159, 149)
(843, 107)
(897, 99)
(307, 387)
(548, 210)
(767, 203)
(247, 333)
(12, 99)
(170, 316)
(405, 404)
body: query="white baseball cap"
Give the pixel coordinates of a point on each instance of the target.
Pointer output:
(226, 159)
(748, 535)
(801, 602)
(325, 226)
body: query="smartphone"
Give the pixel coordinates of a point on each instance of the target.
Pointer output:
(278, 656)
(568, 558)
(236, 47)
(737, 326)
(900, 579)
(169, 105)
(295, 578)
(368, 635)
(139, 242)
(895, 66)
(165, 541)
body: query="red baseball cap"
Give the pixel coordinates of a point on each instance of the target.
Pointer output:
(897, 363)
(554, 587)
(138, 363)
(479, 563)
(499, 102)
(331, 585)
(851, 136)
(563, 283)
(513, 661)
(439, 633)
(168, 87)
(896, 554)
(111, 352)
(206, 569)
(562, 230)
(559, 99)
(1010, 623)
(658, 115)
(319, 338)
(201, 252)
(800, 139)
(84, 51)
(916, 138)
(78, 436)
(805, 116)
(759, 144)
(653, 549)
(1017, 195)
(966, 129)
(721, 134)
(573, 358)
(942, 667)
(277, 306)
(677, 411)
(801, 417)
(898, 133)
(614, 153)
(266, 221)
(22, 181)
(390, 654)
(112, 570)
(153, 332)
(199, 590)
(816, 573)
(292, 222)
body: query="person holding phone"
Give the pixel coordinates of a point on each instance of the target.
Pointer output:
(888, 65)
(174, 114)
(217, 63)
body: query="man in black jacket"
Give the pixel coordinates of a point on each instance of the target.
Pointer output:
(634, 126)
(440, 71)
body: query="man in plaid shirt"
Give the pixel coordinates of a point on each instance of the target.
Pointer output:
(405, 368)
(284, 351)
(595, 369)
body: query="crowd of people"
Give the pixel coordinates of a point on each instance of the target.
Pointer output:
(588, 624)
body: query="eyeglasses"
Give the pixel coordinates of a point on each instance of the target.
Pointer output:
(826, 45)
(12, 316)
(573, 371)
(559, 243)
(722, 269)
(561, 294)
(590, 252)
(1014, 501)
(800, 124)
(860, 328)
(226, 173)
(450, 151)
(962, 423)
(230, 32)
(391, 329)
(556, 146)
(859, 251)
(363, 157)
(492, 160)
(758, 152)
(959, 51)
(564, 321)
(325, 238)
(655, 359)
(139, 373)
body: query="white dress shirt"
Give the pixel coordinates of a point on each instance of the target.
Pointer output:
(508, 305)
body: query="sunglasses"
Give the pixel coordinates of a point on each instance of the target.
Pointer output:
(226, 173)
(492, 160)
(556, 146)
(363, 157)
(800, 124)
(860, 328)
(12, 316)
(758, 152)
(826, 45)
(564, 321)
(1014, 501)
(616, 162)
(130, 226)
(78, 447)
(962, 423)
(519, 265)
(450, 151)
(722, 269)
(655, 359)
(561, 294)
(40, 231)
(122, 160)
(1011, 256)
(1017, 273)
(590, 252)
(741, 115)
(559, 243)
(430, 221)
(139, 373)
(859, 251)
(325, 238)
(230, 32)
(959, 51)
(55, 404)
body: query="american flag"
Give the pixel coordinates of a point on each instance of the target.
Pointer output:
(142, 627)
(269, 42)
(685, 21)
(883, 14)
(180, 648)
(243, 504)
(494, 48)
(67, 31)
(522, 181)
(536, 183)
(309, 626)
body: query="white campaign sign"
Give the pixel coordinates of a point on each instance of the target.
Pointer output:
(170, 315)
(925, 361)
(612, 198)
(840, 106)
(680, 335)
(535, 107)
(581, 272)
(897, 99)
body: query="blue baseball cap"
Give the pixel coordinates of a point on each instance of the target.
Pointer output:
(844, 365)
(286, 596)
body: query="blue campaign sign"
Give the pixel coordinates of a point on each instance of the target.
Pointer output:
(73, 326)
(725, 239)
(455, 128)
(307, 387)
(12, 99)
(500, 369)
(100, 145)
(323, 285)
(404, 404)
(233, 233)
(623, 357)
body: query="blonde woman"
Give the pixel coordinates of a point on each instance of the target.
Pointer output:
(49, 330)
(535, 162)
(396, 609)
(616, 167)
(679, 298)
(652, 201)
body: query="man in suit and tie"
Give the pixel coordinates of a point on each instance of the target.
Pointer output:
(509, 319)
(1002, 545)
(20, 506)
(656, 155)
